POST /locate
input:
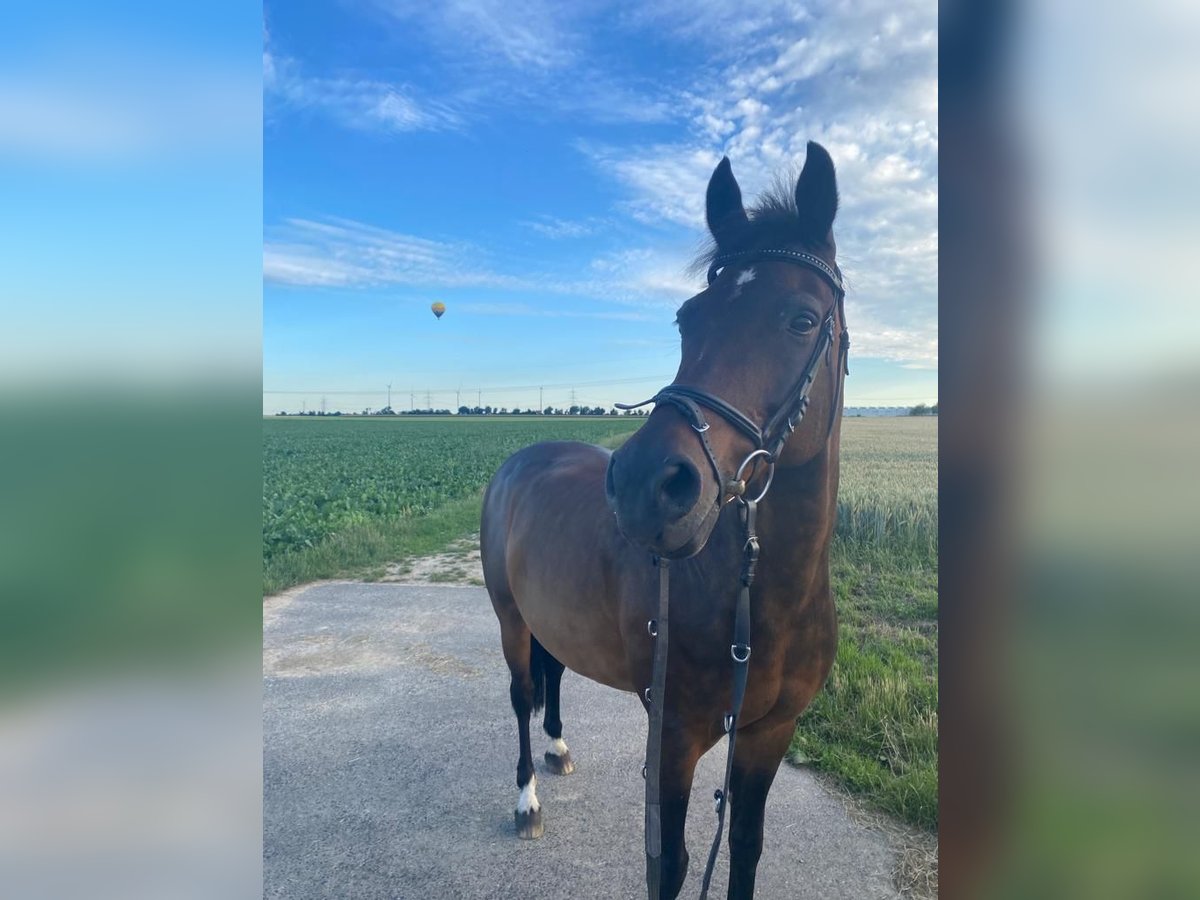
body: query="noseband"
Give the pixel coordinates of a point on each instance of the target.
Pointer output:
(768, 440)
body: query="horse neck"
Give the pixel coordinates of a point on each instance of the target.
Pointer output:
(797, 519)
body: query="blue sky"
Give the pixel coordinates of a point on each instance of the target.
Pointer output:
(540, 168)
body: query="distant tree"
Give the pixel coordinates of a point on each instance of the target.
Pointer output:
(919, 410)
(933, 409)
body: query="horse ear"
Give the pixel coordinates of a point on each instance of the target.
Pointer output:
(816, 193)
(723, 205)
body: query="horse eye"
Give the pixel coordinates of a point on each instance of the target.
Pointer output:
(803, 323)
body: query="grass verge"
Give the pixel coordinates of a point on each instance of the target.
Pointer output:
(362, 548)
(874, 727)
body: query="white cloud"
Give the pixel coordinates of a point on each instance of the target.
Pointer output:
(862, 81)
(537, 59)
(665, 182)
(650, 277)
(556, 228)
(343, 253)
(360, 103)
(336, 252)
(526, 34)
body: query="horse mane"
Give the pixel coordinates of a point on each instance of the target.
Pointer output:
(774, 221)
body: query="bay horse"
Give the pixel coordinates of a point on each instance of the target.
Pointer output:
(569, 530)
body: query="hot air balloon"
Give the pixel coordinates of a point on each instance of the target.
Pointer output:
(439, 309)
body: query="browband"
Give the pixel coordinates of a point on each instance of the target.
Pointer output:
(831, 273)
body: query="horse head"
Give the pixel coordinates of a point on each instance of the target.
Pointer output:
(762, 346)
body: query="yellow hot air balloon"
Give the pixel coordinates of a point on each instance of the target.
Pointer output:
(439, 309)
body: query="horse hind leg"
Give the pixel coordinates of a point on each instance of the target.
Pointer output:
(558, 756)
(524, 693)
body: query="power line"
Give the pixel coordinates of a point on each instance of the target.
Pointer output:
(491, 389)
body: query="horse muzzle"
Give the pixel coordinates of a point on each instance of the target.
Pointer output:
(666, 507)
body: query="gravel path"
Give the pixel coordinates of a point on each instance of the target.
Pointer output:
(390, 762)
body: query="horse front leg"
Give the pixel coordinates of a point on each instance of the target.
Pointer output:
(755, 762)
(518, 653)
(679, 757)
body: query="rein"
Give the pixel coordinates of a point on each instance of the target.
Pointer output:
(768, 442)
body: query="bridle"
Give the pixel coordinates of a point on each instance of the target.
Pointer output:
(769, 439)
(768, 443)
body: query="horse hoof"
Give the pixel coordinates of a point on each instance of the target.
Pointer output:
(529, 824)
(560, 764)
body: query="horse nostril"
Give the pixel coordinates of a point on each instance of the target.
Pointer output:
(678, 488)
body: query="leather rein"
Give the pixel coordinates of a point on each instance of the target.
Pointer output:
(768, 442)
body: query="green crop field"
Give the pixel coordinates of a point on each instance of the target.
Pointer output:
(344, 493)
(343, 496)
(888, 490)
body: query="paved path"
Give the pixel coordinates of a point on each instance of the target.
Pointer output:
(390, 758)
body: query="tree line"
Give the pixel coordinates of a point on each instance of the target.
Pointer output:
(478, 411)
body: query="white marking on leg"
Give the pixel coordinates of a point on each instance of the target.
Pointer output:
(558, 747)
(528, 801)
